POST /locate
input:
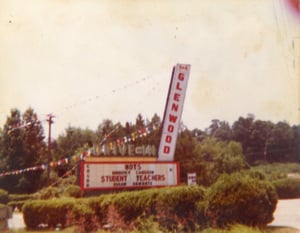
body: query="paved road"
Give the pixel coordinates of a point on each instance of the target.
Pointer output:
(16, 222)
(287, 213)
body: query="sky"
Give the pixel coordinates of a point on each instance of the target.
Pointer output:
(88, 60)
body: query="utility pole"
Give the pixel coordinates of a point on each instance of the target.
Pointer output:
(50, 122)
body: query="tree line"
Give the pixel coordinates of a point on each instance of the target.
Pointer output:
(220, 148)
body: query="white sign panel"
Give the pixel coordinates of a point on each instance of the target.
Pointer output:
(116, 175)
(192, 178)
(173, 112)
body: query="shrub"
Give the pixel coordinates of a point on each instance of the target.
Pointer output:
(100, 206)
(201, 218)
(63, 212)
(48, 193)
(20, 197)
(238, 228)
(70, 180)
(277, 170)
(135, 203)
(173, 208)
(73, 191)
(239, 198)
(161, 205)
(3, 196)
(33, 214)
(147, 225)
(176, 208)
(16, 204)
(83, 216)
(18, 200)
(287, 188)
(50, 212)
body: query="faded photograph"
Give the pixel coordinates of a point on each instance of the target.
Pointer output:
(150, 116)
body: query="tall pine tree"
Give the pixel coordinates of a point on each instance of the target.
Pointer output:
(23, 146)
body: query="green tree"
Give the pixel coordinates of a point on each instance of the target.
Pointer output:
(254, 136)
(105, 130)
(12, 150)
(155, 120)
(22, 147)
(139, 122)
(296, 144)
(213, 158)
(280, 143)
(220, 130)
(258, 141)
(74, 139)
(185, 145)
(241, 131)
(155, 125)
(35, 151)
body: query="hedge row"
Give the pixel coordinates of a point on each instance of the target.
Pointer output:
(18, 200)
(117, 210)
(232, 199)
(287, 188)
(20, 197)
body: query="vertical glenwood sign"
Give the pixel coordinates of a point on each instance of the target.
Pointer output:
(173, 112)
(120, 175)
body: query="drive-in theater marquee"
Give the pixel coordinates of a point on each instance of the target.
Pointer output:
(116, 175)
(141, 166)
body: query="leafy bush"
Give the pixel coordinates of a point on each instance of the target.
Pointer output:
(287, 188)
(237, 228)
(18, 200)
(277, 170)
(48, 193)
(179, 205)
(180, 209)
(146, 225)
(121, 210)
(20, 197)
(168, 205)
(100, 206)
(50, 212)
(133, 204)
(16, 204)
(239, 198)
(73, 191)
(200, 215)
(62, 212)
(3, 196)
(70, 180)
(83, 216)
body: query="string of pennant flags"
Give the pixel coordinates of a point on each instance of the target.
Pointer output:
(143, 132)
(75, 158)
(81, 156)
(66, 108)
(60, 162)
(109, 93)
(21, 126)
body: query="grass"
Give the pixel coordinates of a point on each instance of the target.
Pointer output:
(67, 230)
(234, 229)
(281, 230)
